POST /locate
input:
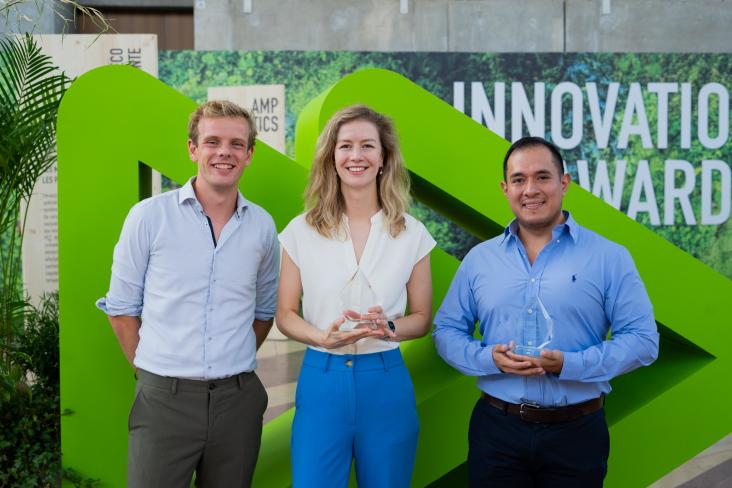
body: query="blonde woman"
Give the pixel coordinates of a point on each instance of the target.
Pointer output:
(355, 400)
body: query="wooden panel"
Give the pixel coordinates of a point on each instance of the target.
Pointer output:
(174, 27)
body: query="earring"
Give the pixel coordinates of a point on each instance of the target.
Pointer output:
(381, 170)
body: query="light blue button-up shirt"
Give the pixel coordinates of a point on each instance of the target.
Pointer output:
(588, 285)
(197, 301)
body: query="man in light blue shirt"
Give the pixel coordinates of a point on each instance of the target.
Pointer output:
(540, 419)
(191, 298)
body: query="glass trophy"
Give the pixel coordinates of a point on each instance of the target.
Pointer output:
(357, 296)
(542, 332)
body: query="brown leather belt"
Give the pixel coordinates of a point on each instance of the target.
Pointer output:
(545, 415)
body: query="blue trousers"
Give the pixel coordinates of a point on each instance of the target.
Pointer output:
(507, 452)
(354, 407)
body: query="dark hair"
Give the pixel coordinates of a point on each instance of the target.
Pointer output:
(531, 141)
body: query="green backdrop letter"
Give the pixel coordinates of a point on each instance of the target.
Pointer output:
(114, 118)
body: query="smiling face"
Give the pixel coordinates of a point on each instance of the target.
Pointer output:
(358, 154)
(534, 188)
(221, 152)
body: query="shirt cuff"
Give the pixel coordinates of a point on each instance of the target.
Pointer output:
(263, 316)
(491, 367)
(572, 366)
(114, 310)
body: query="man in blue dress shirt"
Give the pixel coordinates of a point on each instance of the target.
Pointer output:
(540, 419)
(192, 296)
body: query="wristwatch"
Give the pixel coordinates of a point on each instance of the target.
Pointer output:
(391, 325)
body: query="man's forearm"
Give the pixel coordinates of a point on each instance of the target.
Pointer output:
(464, 352)
(261, 329)
(127, 330)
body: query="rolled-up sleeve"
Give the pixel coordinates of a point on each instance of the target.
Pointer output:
(129, 265)
(268, 277)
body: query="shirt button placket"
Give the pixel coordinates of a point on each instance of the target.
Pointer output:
(208, 338)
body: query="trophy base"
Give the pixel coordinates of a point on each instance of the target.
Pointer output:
(527, 351)
(351, 325)
(347, 326)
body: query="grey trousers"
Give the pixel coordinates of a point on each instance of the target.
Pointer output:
(178, 426)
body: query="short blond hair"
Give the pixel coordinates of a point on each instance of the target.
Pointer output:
(214, 109)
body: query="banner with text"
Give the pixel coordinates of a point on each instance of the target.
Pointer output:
(647, 133)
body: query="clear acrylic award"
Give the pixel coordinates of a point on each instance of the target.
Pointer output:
(538, 336)
(357, 296)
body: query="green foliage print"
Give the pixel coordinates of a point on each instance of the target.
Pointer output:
(307, 74)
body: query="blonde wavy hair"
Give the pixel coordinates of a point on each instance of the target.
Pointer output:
(324, 201)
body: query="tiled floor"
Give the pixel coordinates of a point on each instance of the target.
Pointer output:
(279, 365)
(712, 468)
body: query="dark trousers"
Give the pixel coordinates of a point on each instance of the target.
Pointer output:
(506, 451)
(179, 426)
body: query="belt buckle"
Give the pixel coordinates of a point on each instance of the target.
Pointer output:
(527, 407)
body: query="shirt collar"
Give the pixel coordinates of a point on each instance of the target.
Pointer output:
(187, 193)
(376, 218)
(569, 226)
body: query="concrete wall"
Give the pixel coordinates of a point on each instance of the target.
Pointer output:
(37, 17)
(649, 25)
(436, 25)
(466, 25)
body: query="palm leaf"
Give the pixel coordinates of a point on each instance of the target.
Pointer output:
(31, 88)
(30, 92)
